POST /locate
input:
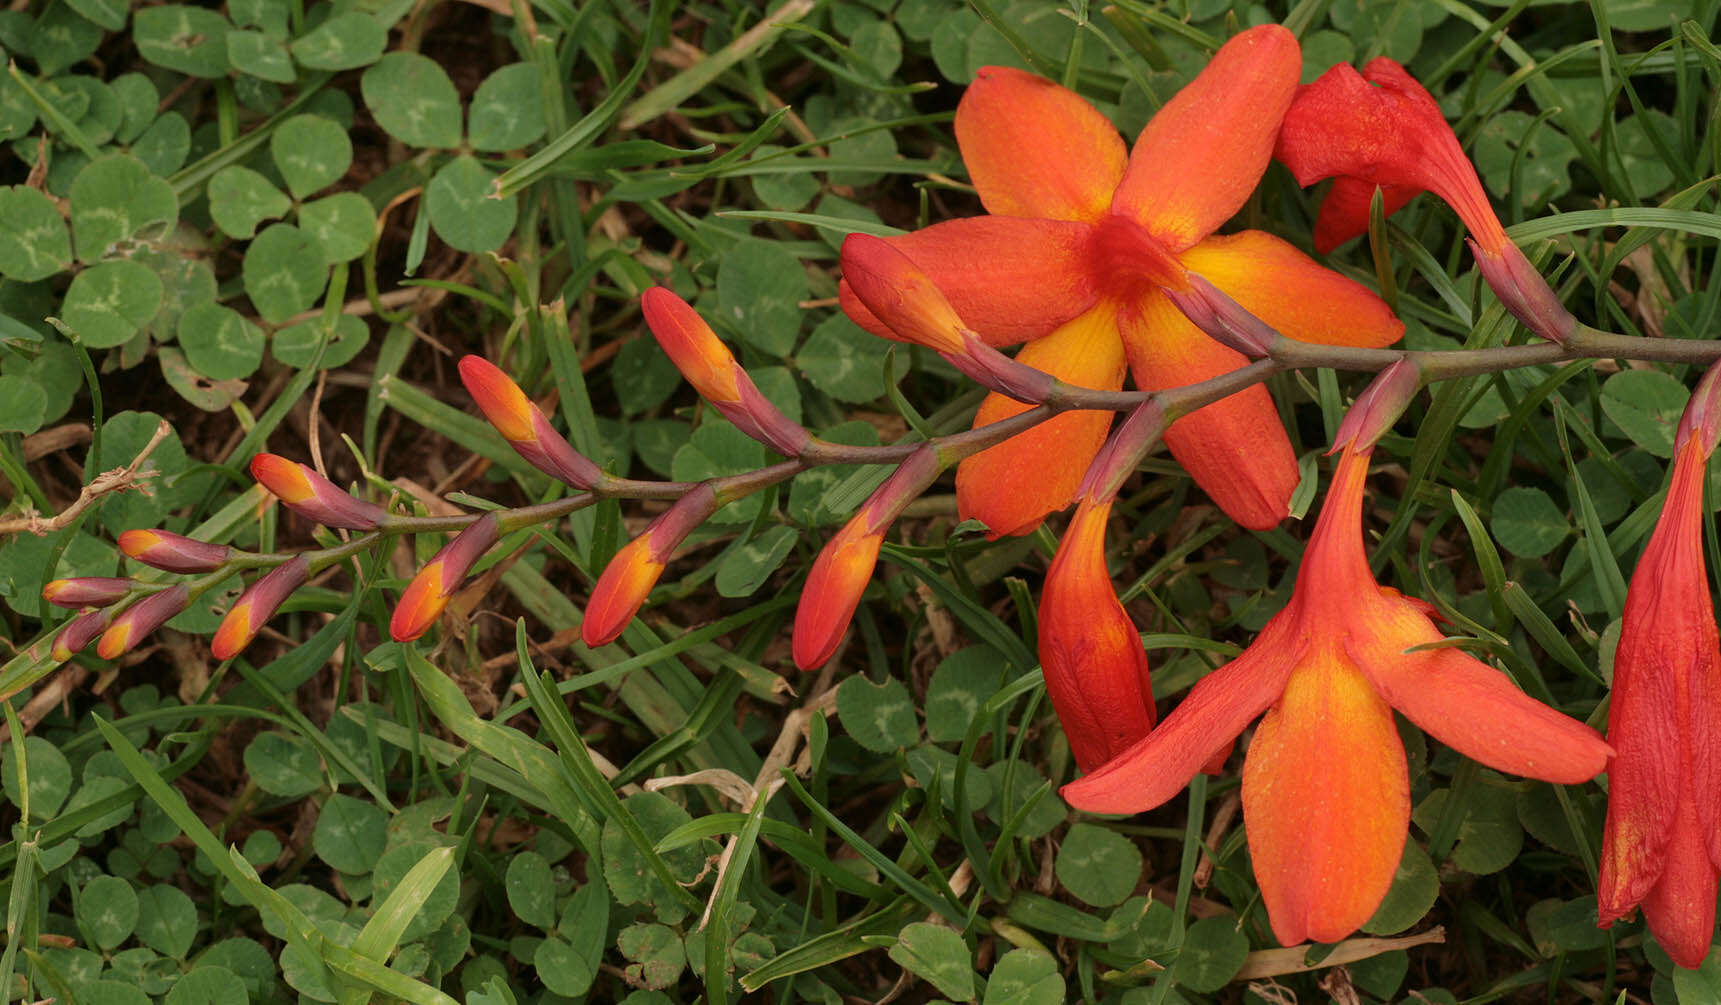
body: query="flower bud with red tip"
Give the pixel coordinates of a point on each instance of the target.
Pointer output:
(79, 633)
(256, 606)
(1378, 407)
(901, 295)
(428, 593)
(524, 427)
(627, 580)
(86, 591)
(312, 496)
(709, 366)
(141, 618)
(173, 552)
(844, 566)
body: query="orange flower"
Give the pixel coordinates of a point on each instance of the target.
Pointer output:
(1382, 128)
(1082, 247)
(1662, 845)
(1326, 796)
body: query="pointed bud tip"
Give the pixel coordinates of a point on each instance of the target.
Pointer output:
(691, 345)
(833, 591)
(900, 294)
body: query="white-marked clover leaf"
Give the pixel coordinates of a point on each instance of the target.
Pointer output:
(413, 100)
(342, 224)
(240, 199)
(284, 272)
(34, 243)
(461, 210)
(220, 343)
(203, 393)
(164, 145)
(311, 152)
(138, 99)
(508, 109)
(297, 346)
(107, 911)
(186, 280)
(63, 38)
(268, 16)
(350, 834)
(110, 14)
(114, 199)
(106, 304)
(192, 40)
(102, 112)
(17, 111)
(23, 405)
(259, 55)
(343, 42)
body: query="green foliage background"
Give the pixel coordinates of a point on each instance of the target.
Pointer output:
(272, 222)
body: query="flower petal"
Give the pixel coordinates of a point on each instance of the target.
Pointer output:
(1292, 292)
(1009, 279)
(1382, 126)
(1475, 709)
(1680, 907)
(1344, 212)
(1326, 802)
(1096, 670)
(1202, 726)
(1666, 664)
(1012, 486)
(1235, 449)
(1203, 153)
(1034, 148)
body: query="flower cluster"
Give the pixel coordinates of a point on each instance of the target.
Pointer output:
(1104, 262)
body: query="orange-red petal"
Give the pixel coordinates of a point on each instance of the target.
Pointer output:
(1200, 728)
(1344, 213)
(1680, 907)
(1235, 449)
(1012, 486)
(1326, 802)
(1095, 668)
(1010, 279)
(620, 591)
(1203, 153)
(1034, 148)
(1301, 298)
(1476, 710)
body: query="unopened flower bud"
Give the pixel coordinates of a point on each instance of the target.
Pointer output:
(1702, 419)
(524, 426)
(140, 619)
(312, 496)
(79, 633)
(709, 366)
(844, 567)
(428, 593)
(256, 606)
(901, 295)
(86, 591)
(627, 580)
(1123, 451)
(1524, 292)
(1378, 407)
(173, 552)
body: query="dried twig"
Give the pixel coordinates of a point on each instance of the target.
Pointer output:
(106, 483)
(1276, 962)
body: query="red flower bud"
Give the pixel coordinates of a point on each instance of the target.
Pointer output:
(256, 606)
(173, 552)
(141, 618)
(312, 496)
(524, 426)
(79, 633)
(428, 593)
(625, 583)
(86, 591)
